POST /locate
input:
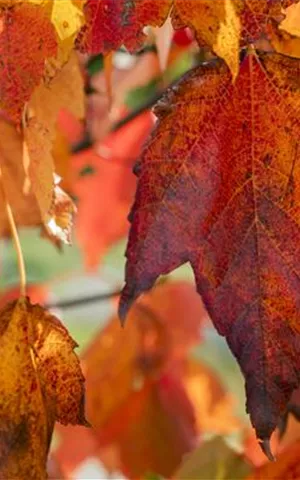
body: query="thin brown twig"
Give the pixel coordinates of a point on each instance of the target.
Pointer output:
(75, 302)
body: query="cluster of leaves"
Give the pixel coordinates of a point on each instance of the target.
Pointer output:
(148, 401)
(217, 186)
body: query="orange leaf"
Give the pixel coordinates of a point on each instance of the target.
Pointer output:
(218, 187)
(37, 293)
(283, 42)
(27, 38)
(144, 398)
(104, 195)
(213, 406)
(165, 324)
(42, 382)
(227, 25)
(286, 467)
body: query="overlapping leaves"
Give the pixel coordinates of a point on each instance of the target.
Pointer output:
(147, 400)
(223, 25)
(218, 187)
(222, 193)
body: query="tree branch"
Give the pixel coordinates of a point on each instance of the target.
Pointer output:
(76, 302)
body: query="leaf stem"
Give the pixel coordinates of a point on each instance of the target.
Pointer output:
(16, 239)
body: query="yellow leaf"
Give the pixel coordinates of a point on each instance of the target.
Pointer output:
(216, 24)
(25, 208)
(283, 42)
(291, 23)
(65, 91)
(38, 164)
(59, 220)
(41, 382)
(66, 16)
(286, 38)
(227, 42)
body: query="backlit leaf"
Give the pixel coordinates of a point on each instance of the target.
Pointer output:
(24, 204)
(113, 23)
(25, 208)
(111, 182)
(27, 39)
(283, 42)
(223, 25)
(41, 382)
(60, 216)
(66, 17)
(213, 407)
(145, 399)
(222, 193)
(64, 92)
(290, 24)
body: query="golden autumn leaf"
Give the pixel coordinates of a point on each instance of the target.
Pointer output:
(60, 217)
(286, 38)
(41, 383)
(25, 208)
(291, 23)
(24, 204)
(66, 16)
(283, 42)
(38, 164)
(228, 25)
(65, 91)
(216, 24)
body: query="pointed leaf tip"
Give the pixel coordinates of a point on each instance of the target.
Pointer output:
(266, 448)
(128, 296)
(123, 310)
